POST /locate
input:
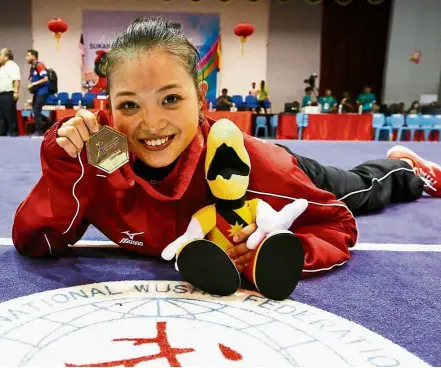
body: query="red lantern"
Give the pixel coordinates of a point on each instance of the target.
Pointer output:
(243, 30)
(58, 26)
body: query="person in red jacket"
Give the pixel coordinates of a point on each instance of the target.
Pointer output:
(156, 100)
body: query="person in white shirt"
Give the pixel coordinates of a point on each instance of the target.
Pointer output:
(9, 92)
(253, 90)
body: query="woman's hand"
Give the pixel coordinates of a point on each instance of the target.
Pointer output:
(74, 132)
(240, 254)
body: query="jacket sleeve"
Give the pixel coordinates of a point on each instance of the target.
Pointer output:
(52, 216)
(327, 228)
(328, 240)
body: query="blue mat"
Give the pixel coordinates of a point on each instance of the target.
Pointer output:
(395, 294)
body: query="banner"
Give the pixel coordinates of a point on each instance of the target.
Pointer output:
(100, 28)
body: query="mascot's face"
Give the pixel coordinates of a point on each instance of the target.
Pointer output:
(227, 164)
(156, 105)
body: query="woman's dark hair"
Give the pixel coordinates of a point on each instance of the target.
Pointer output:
(145, 34)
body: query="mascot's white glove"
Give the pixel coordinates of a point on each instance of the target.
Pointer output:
(269, 220)
(194, 231)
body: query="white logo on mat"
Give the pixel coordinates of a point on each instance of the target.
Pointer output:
(130, 240)
(165, 323)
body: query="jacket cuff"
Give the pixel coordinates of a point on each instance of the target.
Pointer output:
(49, 142)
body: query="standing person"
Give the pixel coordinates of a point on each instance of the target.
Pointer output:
(156, 102)
(9, 93)
(307, 99)
(262, 96)
(253, 90)
(346, 103)
(328, 102)
(39, 87)
(367, 100)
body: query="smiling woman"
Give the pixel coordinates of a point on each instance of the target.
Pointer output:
(159, 112)
(156, 100)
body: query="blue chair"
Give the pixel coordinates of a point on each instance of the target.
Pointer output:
(261, 124)
(302, 122)
(88, 99)
(437, 126)
(251, 102)
(274, 123)
(51, 99)
(76, 98)
(237, 100)
(63, 98)
(378, 123)
(413, 122)
(26, 113)
(396, 121)
(429, 124)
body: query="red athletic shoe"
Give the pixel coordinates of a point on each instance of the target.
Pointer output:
(428, 171)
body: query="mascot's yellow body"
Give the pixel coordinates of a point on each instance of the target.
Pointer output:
(278, 260)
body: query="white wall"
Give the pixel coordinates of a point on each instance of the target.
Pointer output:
(416, 24)
(237, 71)
(293, 49)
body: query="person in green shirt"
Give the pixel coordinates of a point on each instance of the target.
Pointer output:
(366, 100)
(262, 96)
(328, 102)
(307, 98)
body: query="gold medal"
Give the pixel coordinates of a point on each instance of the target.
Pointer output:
(107, 150)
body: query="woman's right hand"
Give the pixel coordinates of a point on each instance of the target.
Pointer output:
(72, 135)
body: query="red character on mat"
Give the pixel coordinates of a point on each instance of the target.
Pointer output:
(165, 351)
(164, 184)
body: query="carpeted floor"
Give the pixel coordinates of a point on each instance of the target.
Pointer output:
(395, 294)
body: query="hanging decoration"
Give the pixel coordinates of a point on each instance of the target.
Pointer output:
(243, 30)
(343, 2)
(58, 26)
(415, 57)
(375, 2)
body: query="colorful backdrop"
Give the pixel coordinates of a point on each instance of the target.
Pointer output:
(101, 27)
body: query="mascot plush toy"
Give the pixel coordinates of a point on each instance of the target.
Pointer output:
(100, 71)
(278, 260)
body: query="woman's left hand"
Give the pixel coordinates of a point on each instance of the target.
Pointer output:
(239, 253)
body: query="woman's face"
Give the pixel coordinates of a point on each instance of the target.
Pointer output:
(156, 105)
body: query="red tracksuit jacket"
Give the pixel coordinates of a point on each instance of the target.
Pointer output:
(146, 217)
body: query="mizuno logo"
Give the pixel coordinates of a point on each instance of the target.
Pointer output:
(130, 240)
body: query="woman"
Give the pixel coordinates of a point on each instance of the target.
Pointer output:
(415, 108)
(262, 96)
(156, 100)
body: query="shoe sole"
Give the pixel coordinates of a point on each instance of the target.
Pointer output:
(206, 266)
(279, 265)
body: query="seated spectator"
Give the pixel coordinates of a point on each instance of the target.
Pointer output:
(383, 109)
(262, 96)
(366, 99)
(347, 103)
(328, 102)
(224, 102)
(253, 90)
(394, 109)
(307, 98)
(415, 108)
(401, 108)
